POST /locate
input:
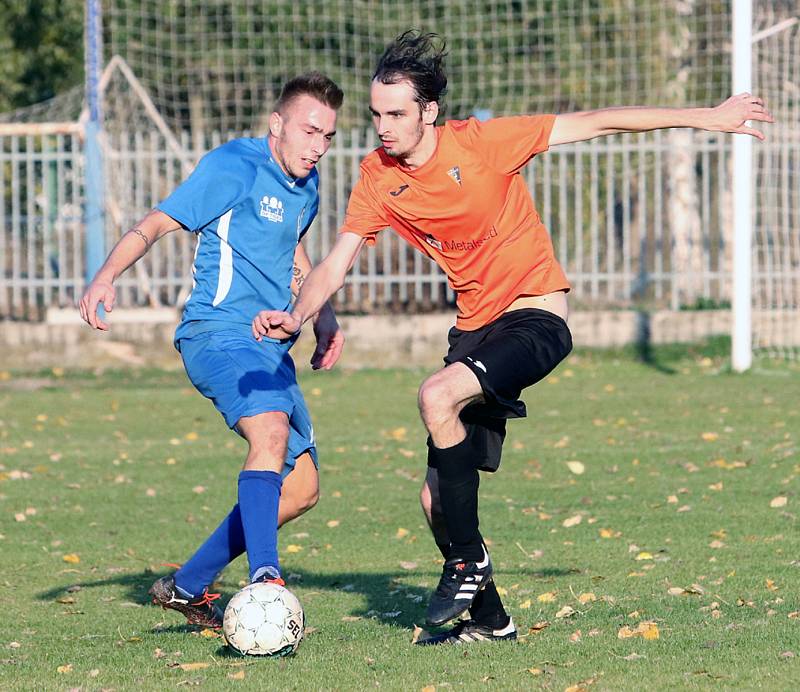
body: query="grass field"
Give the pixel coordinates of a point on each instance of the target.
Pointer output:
(668, 557)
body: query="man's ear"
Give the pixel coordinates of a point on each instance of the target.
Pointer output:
(275, 124)
(430, 111)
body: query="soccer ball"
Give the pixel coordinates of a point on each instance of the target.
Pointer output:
(264, 620)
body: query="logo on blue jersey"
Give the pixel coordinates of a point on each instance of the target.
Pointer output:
(272, 209)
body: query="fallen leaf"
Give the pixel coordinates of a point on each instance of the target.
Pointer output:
(538, 627)
(644, 555)
(188, 667)
(192, 436)
(293, 548)
(408, 565)
(587, 598)
(632, 657)
(72, 558)
(417, 633)
(525, 604)
(576, 467)
(646, 630)
(547, 597)
(779, 501)
(198, 490)
(238, 675)
(65, 668)
(535, 671)
(566, 612)
(333, 523)
(710, 436)
(572, 521)
(401, 533)
(428, 688)
(210, 634)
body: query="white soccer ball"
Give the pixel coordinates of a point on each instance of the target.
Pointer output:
(264, 620)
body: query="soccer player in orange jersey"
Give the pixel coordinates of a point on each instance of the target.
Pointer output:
(455, 193)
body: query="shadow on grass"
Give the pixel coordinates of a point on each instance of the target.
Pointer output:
(387, 596)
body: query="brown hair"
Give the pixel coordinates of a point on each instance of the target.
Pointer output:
(314, 84)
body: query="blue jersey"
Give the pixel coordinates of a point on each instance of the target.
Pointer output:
(249, 216)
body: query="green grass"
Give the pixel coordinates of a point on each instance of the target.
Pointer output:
(679, 457)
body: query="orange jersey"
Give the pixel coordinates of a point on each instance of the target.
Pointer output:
(469, 209)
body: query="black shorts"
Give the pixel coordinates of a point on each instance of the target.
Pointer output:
(515, 351)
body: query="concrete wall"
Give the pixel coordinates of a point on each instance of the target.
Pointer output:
(144, 337)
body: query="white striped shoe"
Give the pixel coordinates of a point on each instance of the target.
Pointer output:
(460, 583)
(470, 632)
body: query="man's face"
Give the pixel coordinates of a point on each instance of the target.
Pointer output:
(397, 117)
(302, 134)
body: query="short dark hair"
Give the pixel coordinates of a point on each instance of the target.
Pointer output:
(315, 84)
(419, 58)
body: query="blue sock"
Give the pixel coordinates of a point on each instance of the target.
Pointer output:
(259, 495)
(221, 547)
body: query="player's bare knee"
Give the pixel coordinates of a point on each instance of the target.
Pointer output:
(436, 405)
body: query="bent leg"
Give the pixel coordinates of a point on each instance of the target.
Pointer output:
(299, 494)
(260, 482)
(452, 453)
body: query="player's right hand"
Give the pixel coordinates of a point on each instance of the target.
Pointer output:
(97, 292)
(276, 324)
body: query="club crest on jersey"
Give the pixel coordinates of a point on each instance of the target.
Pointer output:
(272, 209)
(455, 174)
(433, 242)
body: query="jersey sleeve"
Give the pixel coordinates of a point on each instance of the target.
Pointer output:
(218, 182)
(507, 144)
(364, 216)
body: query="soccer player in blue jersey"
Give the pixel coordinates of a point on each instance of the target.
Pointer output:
(250, 202)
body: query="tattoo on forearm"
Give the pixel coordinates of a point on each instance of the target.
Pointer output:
(138, 231)
(298, 276)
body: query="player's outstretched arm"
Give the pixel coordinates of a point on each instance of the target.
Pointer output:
(330, 338)
(321, 283)
(131, 246)
(729, 116)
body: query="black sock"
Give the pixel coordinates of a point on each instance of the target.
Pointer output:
(487, 608)
(458, 494)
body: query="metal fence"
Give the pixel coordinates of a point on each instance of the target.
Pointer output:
(639, 220)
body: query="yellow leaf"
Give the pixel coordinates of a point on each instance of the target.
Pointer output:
(609, 533)
(547, 597)
(525, 604)
(333, 523)
(502, 590)
(572, 521)
(779, 501)
(191, 436)
(401, 533)
(646, 630)
(716, 544)
(210, 634)
(535, 671)
(710, 436)
(238, 675)
(428, 688)
(193, 666)
(649, 630)
(293, 548)
(715, 486)
(65, 669)
(587, 598)
(771, 585)
(398, 434)
(576, 467)
(198, 490)
(72, 558)
(644, 555)
(565, 612)
(316, 391)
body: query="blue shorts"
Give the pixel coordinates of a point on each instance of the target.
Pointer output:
(244, 377)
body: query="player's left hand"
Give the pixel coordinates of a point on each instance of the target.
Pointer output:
(330, 340)
(733, 114)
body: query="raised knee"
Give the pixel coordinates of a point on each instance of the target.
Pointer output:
(434, 400)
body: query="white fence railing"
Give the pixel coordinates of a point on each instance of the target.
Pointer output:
(641, 220)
